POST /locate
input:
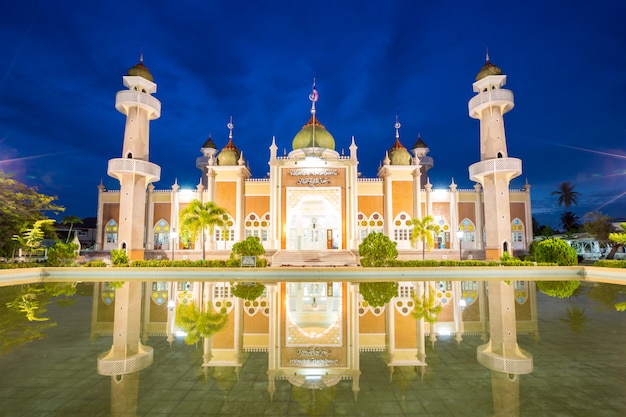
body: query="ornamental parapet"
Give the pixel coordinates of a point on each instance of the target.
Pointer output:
(126, 99)
(496, 97)
(518, 362)
(512, 167)
(120, 166)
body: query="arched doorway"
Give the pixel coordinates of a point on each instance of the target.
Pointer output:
(313, 219)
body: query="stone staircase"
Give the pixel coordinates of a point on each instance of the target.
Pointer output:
(314, 258)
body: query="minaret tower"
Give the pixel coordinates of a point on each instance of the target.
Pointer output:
(133, 169)
(495, 169)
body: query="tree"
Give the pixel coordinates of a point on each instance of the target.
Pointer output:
(600, 227)
(71, 220)
(570, 222)
(198, 324)
(377, 250)
(197, 217)
(32, 237)
(62, 254)
(619, 237)
(250, 247)
(20, 206)
(377, 294)
(424, 231)
(425, 306)
(555, 251)
(567, 195)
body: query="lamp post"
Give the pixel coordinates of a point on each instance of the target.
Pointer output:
(173, 236)
(459, 234)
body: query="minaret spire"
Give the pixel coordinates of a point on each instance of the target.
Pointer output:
(487, 54)
(230, 126)
(313, 97)
(397, 126)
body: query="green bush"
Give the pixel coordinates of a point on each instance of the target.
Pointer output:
(95, 264)
(557, 251)
(377, 294)
(119, 257)
(250, 247)
(377, 250)
(247, 290)
(62, 254)
(611, 263)
(559, 289)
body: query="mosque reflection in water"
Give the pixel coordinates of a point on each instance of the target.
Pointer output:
(313, 332)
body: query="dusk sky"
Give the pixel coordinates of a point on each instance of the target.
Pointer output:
(62, 63)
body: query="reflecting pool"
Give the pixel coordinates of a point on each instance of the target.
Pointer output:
(311, 348)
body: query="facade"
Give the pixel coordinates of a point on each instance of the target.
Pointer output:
(314, 198)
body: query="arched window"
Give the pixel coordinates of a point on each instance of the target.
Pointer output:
(468, 241)
(258, 226)
(110, 231)
(442, 240)
(517, 234)
(225, 237)
(162, 235)
(367, 225)
(401, 231)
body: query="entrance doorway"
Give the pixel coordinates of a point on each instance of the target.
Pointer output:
(313, 219)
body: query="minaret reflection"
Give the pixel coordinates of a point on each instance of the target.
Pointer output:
(128, 355)
(501, 353)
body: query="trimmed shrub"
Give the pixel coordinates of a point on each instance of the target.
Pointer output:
(557, 251)
(558, 289)
(377, 250)
(377, 294)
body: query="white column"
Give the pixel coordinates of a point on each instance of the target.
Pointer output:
(100, 221)
(479, 244)
(150, 218)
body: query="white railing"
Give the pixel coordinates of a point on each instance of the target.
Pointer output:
(490, 96)
(120, 166)
(493, 166)
(109, 365)
(129, 98)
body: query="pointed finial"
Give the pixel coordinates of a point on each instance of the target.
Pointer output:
(314, 96)
(487, 54)
(141, 55)
(230, 128)
(397, 126)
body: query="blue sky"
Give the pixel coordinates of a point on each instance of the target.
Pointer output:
(62, 63)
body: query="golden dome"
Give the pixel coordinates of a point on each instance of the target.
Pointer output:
(306, 139)
(141, 71)
(488, 69)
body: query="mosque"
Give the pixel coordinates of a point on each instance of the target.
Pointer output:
(314, 199)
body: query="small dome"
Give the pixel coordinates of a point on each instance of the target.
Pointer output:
(305, 138)
(398, 155)
(488, 69)
(209, 144)
(229, 156)
(420, 143)
(141, 71)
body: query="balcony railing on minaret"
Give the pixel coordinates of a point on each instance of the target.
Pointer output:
(126, 99)
(119, 166)
(510, 166)
(495, 97)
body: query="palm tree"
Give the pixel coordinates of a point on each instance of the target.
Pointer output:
(567, 195)
(71, 220)
(570, 221)
(424, 230)
(197, 217)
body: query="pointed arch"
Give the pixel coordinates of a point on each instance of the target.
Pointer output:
(111, 234)
(518, 235)
(469, 233)
(401, 230)
(161, 233)
(225, 237)
(372, 224)
(258, 226)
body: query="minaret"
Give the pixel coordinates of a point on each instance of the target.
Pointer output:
(133, 169)
(495, 169)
